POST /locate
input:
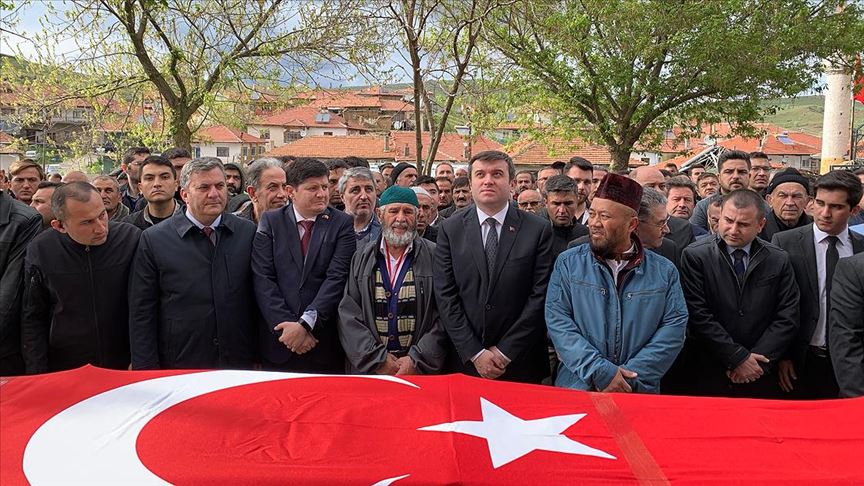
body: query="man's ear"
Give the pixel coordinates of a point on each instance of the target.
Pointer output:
(58, 225)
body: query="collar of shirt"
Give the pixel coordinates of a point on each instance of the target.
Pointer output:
(383, 248)
(299, 217)
(201, 225)
(844, 238)
(746, 248)
(499, 216)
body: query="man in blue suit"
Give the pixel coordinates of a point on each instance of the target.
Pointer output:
(300, 260)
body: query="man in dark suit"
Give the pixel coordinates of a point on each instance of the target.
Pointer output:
(300, 261)
(806, 372)
(190, 292)
(492, 265)
(846, 327)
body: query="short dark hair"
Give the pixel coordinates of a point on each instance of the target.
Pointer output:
(489, 156)
(156, 160)
(745, 198)
(354, 161)
(695, 166)
(131, 152)
(549, 167)
(841, 180)
(385, 165)
(666, 173)
(858, 172)
(334, 164)
(758, 155)
(286, 159)
(44, 184)
(176, 153)
(79, 191)
(560, 183)
(526, 171)
(682, 181)
(444, 178)
(558, 165)
(706, 175)
(461, 182)
(424, 179)
(581, 163)
(671, 164)
(305, 168)
(732, 155)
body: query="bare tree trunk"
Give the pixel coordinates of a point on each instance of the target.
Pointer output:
(620, 159)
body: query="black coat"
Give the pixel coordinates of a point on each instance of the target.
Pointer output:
(799, 244)
(773, 225)
(682, 232)
(19, 224)
(846, 326)
(506, 310)
(286, 286)
(75, 304)
(729, 321)
(191, 304)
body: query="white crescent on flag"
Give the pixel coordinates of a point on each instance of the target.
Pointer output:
(93, 441)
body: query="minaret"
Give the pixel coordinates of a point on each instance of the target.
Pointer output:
(837, 124)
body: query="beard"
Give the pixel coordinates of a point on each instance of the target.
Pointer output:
(602, 248)
(398, 240)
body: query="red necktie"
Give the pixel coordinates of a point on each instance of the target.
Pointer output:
(208, 232)
(307, 235)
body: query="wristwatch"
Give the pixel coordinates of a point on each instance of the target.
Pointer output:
(305, 325)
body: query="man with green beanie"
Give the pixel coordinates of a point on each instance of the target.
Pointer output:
(388, 319)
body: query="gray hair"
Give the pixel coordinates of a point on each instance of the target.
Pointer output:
(651, 198)
(108, 178)
(78, 190)
(560, 183)
(354, 173)
(257, 167)
(201, 164)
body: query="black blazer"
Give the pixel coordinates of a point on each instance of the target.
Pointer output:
(798, 243)
(190, 303)
(286, 286)
(846, 326)
(504, 309)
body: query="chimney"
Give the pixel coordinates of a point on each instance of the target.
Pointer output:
(466, 151)
(387, 142)
(407, 151)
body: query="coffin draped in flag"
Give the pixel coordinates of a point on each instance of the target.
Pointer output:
(93, 426)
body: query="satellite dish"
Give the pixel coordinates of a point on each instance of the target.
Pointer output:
(303, 132)
(397, 125)
(709, 141)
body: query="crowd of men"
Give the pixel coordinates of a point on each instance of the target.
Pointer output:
(744, 283)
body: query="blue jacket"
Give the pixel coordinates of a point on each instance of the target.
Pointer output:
(596, 329)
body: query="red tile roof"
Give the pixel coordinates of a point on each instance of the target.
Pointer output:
(223, 134)
(5, 138)
(304, 117)
(372, 147)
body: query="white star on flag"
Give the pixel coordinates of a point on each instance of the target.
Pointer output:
(509, 437)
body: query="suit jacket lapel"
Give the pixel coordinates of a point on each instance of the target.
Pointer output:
(319, 230)
(808, 249)
(505, 243)
(294, 238)
(474, 240)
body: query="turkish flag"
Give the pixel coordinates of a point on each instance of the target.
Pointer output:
(95, 426)
(858, 88)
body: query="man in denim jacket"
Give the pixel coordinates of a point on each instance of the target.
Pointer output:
(616, 313)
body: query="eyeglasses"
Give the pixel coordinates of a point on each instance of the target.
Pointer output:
(661, 224)
(529, 204)
(760, 168)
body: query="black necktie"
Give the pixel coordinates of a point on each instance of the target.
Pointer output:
(491, 245)
(739, 255)
(831, 258)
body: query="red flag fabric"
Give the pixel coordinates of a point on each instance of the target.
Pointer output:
(859, 82)
(94, 426)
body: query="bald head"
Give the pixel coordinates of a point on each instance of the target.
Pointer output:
(651, 177)
(75, 176)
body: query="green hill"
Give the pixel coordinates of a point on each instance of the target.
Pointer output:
(805, 114)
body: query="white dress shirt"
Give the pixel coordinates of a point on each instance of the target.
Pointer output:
(484, 226)
(844, 249)
(201, 225)
(310, 315)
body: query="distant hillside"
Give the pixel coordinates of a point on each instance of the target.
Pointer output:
(805, 113)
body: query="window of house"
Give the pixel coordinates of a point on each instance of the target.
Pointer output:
(244, 151)
(221, 151)
(291, 136)
(328, 134)
(77, 114)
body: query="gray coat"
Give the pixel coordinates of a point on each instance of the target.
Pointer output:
(357, 332)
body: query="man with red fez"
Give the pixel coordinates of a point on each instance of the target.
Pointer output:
(615, 313)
